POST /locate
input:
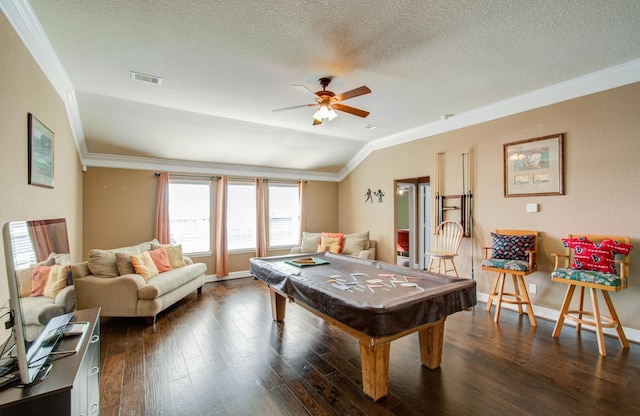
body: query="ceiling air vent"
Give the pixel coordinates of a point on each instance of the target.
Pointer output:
(146, 78)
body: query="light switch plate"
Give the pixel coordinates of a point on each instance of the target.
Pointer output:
(532, 207)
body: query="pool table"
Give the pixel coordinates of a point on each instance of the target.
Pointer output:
(373, 301)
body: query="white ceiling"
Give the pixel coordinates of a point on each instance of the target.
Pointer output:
(225, 65)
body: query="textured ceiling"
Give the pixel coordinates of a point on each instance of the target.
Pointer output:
(225, 65)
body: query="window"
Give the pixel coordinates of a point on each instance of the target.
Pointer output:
(284, 215)
(241, 216)
(23, 254)
(189, 215)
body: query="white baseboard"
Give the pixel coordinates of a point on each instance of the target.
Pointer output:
(633, 335)
(211, 278)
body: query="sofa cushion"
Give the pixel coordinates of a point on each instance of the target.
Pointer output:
(57, 280)
(63, 259)
(160, 259)
(103, 263)
(168, 281)
(354, 243)
(123, 262)
(39, 278)
(24, 277)
(39, 310)
(176, 258)
(331, 244)
(143, 263)
(310, 242)
(331, 241)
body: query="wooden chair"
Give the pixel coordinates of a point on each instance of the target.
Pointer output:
(514, 252)
(447, 241)
(594, 281)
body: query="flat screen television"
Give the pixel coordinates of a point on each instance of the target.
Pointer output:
(40, 245)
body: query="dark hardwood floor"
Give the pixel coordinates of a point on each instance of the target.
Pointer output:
(221, 354)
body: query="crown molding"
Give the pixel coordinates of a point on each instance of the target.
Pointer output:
(25, 23)
(182, 166)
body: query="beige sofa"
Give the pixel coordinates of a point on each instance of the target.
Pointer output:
(110, 281)
(356, 244)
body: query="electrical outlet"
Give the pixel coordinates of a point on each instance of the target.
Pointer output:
(532, 288)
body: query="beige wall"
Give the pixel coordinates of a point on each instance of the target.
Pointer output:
(602, 174)
(24, 89)
(119, 210)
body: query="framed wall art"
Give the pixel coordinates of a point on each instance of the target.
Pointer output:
(40, 153)
(534, 167)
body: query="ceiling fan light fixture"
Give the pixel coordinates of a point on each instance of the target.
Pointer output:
(325, 111)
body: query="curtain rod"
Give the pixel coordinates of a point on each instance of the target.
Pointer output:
(177, 175)
(174, 175)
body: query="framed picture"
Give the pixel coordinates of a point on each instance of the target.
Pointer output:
(40, 153)
(534, 167)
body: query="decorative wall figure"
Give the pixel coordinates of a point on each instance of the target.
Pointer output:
(369, 197)
(379, 194)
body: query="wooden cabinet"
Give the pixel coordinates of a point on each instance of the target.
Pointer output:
(72, 387)
(86, 397)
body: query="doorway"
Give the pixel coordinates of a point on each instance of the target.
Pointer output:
(412, 221)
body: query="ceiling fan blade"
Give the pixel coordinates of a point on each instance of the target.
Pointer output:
(350, 110)
(294, 107)
(353, 93)
(305, 90)
(316, 122)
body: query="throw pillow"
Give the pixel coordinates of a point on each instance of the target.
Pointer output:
(329, 239)
(329, 244)
(63, 259)
(39, 277)
(598, 257)
(24, 282)
(102, 263)
(176, 259)
(309, 242)
(161, 259)
(144, 265)
(512, 247)
(353, 244)
(123, 261)
(57, 281)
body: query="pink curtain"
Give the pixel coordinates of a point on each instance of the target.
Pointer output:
(303, 221)
(162, 209)
(261, 222)
(222, 254)
(42, 239)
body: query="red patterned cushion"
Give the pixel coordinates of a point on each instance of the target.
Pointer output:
(595, 256)
(512, 247)
(329, 236)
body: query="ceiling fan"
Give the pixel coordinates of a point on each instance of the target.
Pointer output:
(327, 101)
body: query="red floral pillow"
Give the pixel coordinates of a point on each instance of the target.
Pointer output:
(595, 256)
(329, 236)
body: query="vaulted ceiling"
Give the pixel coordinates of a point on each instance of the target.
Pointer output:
(225, 65)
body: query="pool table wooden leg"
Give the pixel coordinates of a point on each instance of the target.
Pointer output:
(431, 339)
(374, 360)
(278, 305)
